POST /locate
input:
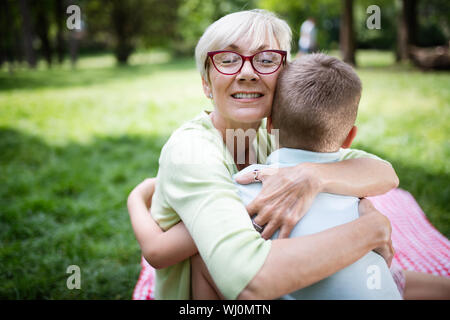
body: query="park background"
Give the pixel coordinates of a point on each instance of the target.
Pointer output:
(85, 113)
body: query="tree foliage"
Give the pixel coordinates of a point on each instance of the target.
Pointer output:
(122, 26)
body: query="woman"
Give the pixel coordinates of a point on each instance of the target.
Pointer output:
(195, 185)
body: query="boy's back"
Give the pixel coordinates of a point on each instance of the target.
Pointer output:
(367, 279)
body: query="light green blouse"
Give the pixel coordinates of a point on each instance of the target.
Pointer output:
(195, 185)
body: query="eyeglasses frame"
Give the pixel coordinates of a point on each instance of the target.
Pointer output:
(283, 53)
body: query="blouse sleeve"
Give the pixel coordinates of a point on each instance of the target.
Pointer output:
(355, 153)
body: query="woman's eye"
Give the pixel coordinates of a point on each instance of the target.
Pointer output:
(227, 60)
(264, 61)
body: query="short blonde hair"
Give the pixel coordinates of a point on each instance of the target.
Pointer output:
(254, 24)
(316, 103)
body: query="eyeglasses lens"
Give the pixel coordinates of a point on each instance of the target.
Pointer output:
(263, 62)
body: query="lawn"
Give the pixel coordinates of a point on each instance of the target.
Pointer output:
(74, 143)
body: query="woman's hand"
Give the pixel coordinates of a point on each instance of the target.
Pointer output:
(386, 250)
(286, 196)
(288, 193)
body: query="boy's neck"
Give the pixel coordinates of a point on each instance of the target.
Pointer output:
(296, 156)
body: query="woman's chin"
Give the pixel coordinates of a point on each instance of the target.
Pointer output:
(248, 115)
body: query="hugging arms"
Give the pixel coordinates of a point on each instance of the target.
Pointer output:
(316, 256)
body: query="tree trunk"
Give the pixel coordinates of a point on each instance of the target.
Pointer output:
(73, 47)
(126, 24)
(27, 33)
(42, 28)
(406, 29)
(59, 19)
(347, 34)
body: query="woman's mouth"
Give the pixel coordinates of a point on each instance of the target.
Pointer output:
(243, 95)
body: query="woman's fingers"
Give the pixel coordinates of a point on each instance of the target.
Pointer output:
(253, 207)
(264, 215)
(255, 176)
(282, 202)
(275, 214)
(270, 229)
(286, 228)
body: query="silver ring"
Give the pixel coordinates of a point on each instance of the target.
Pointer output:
(256, 175)
(257, 227)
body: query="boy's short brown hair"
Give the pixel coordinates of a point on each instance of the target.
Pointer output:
(316, 103)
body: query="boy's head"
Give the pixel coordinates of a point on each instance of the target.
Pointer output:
(316, 103)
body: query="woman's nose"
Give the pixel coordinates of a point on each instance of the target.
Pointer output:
(247, 72)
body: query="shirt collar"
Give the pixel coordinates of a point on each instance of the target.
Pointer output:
(296, 156)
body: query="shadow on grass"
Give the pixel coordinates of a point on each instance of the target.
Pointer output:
(60, 78)
(63, 206)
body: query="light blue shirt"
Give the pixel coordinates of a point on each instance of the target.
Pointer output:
(368, 278)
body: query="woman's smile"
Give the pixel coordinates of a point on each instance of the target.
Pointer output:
(247, 96)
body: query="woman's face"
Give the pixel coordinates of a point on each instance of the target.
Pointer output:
(225, 89)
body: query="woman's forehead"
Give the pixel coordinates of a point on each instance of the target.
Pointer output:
(238, 48)
(253, 44)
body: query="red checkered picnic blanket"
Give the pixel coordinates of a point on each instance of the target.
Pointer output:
(418, 245)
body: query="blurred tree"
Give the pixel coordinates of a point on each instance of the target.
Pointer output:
(125, 25)
(347, 34)
(42, 27)
(59, 18)
(194, 16)
(295, 12)
(433, 23)
(27, 33)
(406, 28)
(126, 20)
(8, 33)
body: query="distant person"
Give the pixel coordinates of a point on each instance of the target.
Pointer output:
(308, 37)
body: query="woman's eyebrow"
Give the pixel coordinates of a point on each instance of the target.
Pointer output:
(261, 47)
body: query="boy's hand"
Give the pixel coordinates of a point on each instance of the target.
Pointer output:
(386, 250)
(286, 196)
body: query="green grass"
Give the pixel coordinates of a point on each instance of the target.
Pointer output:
(75, 142)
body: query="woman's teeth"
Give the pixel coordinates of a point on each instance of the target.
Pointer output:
(246, 95)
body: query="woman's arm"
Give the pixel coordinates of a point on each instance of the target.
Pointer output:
(308, 259)
(160, 249)
(362, 177)
(288, 193)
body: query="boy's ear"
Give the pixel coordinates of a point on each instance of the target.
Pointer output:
(269, 124)
(206, 89)
(351, 135)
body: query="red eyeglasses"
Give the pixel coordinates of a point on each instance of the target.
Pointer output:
(263, 62)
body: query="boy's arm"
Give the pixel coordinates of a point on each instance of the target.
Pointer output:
(160, 249)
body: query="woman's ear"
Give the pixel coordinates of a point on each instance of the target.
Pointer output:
(351, 135)
(206, 89)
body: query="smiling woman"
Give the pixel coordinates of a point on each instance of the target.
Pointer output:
(242, 263)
